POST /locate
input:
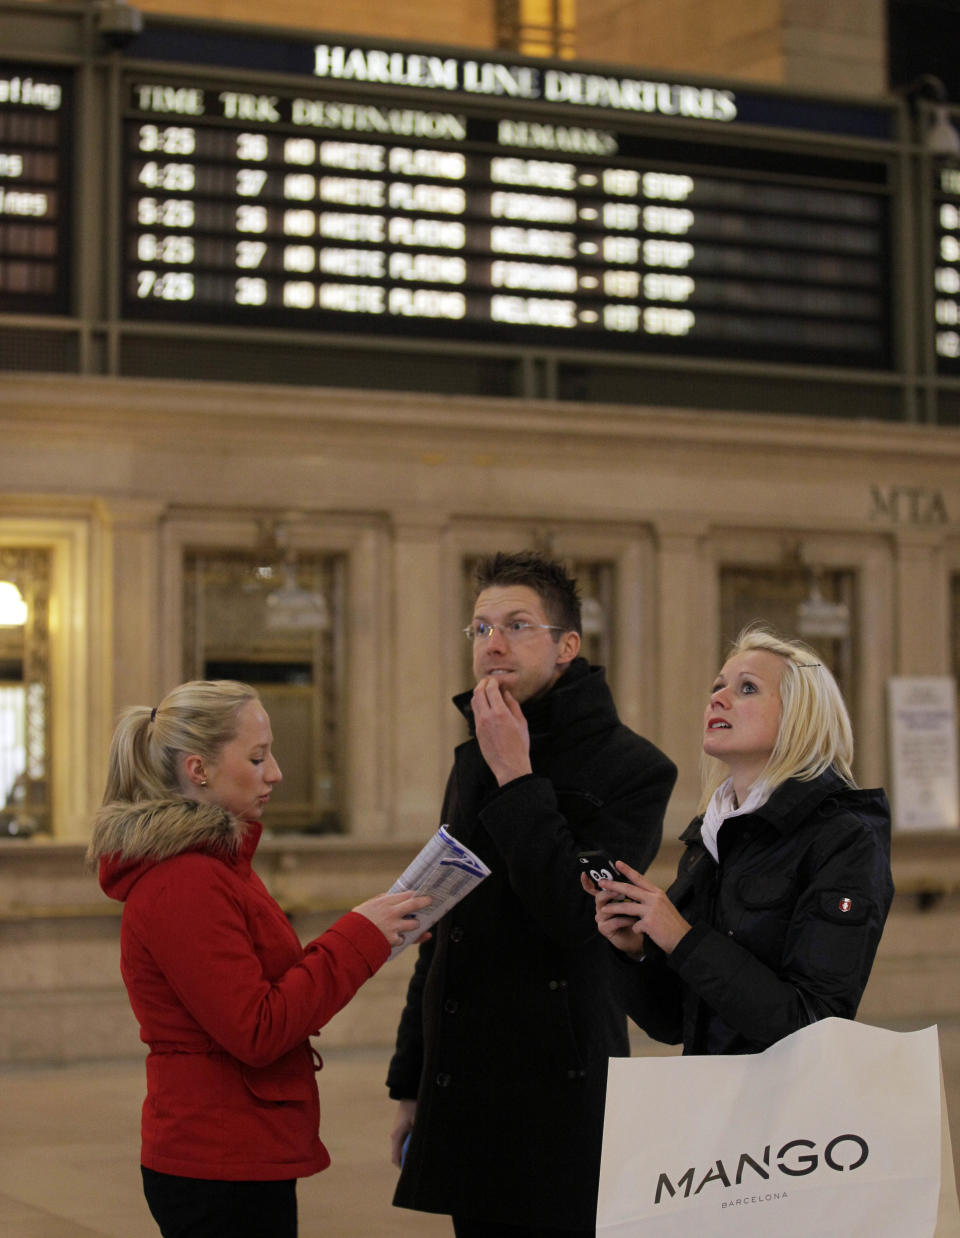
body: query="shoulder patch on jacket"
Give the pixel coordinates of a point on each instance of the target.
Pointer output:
(843, 907)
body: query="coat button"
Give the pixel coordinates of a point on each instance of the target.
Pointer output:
(451, 1005)
(443, 1080)
(456, 933)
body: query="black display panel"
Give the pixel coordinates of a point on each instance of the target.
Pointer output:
(34, 189)
(384, 214)
(946, 275)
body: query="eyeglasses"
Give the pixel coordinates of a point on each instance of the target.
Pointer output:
(515, 630)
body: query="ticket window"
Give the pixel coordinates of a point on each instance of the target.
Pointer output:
(278, 625)
(25, 749)
(817, 607)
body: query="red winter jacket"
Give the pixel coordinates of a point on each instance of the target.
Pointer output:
(225, 994)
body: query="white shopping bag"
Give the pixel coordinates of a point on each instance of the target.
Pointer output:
(834, 1131)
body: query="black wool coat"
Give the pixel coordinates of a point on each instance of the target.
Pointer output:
(513, 1008)
(784, 929)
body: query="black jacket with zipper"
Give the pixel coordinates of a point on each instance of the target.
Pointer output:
(784, 928)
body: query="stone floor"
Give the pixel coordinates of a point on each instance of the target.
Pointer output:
(69, 1143)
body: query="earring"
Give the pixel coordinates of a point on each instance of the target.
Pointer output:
(203, 782)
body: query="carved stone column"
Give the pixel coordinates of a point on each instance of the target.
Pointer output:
(421, 608)
(688, 626)
(922, 602)
(133, 583)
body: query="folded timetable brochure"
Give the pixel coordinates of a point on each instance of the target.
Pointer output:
(447, 871)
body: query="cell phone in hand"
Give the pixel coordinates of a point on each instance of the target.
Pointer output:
(599, 867)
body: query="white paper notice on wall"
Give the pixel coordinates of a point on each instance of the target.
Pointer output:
(923, 750)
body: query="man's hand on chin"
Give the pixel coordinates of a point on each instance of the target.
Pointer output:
(501, 730)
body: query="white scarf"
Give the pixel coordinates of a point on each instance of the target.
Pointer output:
(723, 804)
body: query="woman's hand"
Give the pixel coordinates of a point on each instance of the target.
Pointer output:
(629, 910)
(395, 914)
(618, 927)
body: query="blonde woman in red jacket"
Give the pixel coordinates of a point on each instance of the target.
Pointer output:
(225, 994)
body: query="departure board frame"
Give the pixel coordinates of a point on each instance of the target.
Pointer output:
(425, 205)
(36, 176)
(715, 329)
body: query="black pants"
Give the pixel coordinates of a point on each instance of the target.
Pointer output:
(204, 1208)
(463, 1227)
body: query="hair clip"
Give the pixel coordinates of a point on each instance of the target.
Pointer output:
(153, 714)
(807, 665)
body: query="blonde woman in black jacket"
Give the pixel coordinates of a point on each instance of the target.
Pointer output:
(776, 913)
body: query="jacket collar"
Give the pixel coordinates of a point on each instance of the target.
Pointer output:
(131, 838)
(794, 801)
(580, 694)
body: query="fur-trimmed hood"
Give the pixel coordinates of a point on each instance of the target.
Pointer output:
(129, 838)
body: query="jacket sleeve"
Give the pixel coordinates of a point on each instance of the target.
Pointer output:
(539, 846)
(829, 947)
(652, 995)
(195, 929)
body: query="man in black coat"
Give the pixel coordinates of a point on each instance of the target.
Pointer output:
(513, 1008)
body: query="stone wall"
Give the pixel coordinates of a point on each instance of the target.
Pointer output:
(822, 45)
(62, 999)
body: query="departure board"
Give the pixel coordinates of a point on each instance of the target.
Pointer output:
(34, 189)
(946, 276)
(331, 211)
